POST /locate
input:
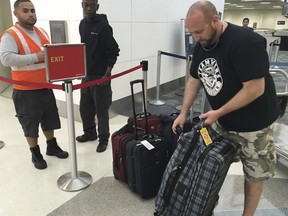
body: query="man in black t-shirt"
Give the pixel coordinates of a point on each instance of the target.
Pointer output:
(232, 65)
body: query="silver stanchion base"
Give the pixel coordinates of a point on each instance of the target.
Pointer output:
(1, 144)
(157, 102)
(67, 183)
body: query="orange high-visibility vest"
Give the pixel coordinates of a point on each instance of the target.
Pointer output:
(34, 72)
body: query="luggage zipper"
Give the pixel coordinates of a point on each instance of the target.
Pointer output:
(204, 153)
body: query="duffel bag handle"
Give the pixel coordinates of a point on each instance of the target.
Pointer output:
(200, 124)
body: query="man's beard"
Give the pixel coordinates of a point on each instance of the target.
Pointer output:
(212, 41)
(30, 22)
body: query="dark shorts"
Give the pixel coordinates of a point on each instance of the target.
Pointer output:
(34, 108)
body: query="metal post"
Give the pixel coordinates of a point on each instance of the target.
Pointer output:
(145, 70)
(277, 47)
(270, 51)
(205, 106)
(158, 102)
(188, 63)
(191, 114)
(1, 144)
(74, 180)
(181, 91)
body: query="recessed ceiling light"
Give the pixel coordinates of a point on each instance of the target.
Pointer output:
(265, 2)
(250, 0)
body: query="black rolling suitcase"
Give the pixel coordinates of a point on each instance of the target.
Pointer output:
(195, 173)
(166, 127)
(146, 158)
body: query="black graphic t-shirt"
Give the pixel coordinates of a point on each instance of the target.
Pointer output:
(239, 56)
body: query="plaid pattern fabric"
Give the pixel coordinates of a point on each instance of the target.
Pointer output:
(196, 191)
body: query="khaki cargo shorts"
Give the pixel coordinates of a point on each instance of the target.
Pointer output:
(257, 152)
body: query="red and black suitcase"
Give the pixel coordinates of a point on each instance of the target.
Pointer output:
(119, 140)
(195, 173)
(153, 122)
(146, 157)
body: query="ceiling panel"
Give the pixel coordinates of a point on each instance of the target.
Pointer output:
(253, 4)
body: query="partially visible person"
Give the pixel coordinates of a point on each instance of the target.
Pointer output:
(232, 65)
(245, 24)
(21, 49)
(101, 55)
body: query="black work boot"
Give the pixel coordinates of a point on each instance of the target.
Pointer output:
(37, 158)
(54, 150)
(86, 137)
(101, 146)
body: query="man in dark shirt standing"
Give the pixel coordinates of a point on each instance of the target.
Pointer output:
(101, 55)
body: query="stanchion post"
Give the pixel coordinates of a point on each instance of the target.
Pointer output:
(1, 144)
(188, 63)
(274, 45)
(145, 70)
(270, 51)
(74, 180)
(158, 102)
(277, 49)
(205, 106)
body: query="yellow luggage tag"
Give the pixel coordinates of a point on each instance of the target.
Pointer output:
(206, 137)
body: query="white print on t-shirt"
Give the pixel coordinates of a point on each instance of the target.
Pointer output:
(210, 76)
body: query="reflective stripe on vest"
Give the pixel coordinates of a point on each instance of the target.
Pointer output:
(33, 72)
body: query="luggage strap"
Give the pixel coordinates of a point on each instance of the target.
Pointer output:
(180, 168)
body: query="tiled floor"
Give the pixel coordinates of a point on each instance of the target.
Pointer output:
(26, 191)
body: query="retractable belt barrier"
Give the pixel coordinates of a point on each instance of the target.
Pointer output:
(157, 101)
(75, 87)
(174, 55)
(75, 180)
(180, 92)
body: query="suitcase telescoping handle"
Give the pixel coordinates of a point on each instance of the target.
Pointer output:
(134, 108)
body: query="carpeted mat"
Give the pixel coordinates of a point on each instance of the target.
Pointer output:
(109, 197)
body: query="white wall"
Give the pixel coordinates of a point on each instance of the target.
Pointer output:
(265, 18)
(141, 28)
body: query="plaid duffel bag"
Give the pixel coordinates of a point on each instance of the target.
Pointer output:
(195, 173)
